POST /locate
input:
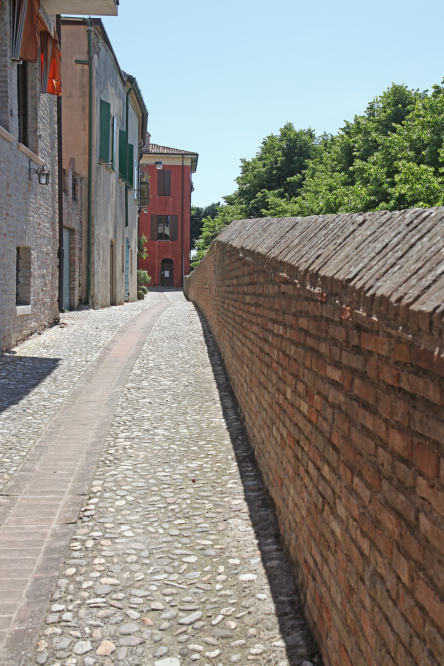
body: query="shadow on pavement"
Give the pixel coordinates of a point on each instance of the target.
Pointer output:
(19, 375)
(299, 643)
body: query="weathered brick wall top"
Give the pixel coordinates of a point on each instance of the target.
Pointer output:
(331, 329)
(391, 263)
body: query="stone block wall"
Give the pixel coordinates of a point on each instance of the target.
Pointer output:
(331, 329)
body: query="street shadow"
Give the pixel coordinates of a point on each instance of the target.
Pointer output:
(19, 375)
(158, 288)
(300, 645)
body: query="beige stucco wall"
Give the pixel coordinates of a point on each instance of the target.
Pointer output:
(108, 193)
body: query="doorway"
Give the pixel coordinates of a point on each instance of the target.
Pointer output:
(112, 273)
(166, 273)
(127, 245)
(66, 266)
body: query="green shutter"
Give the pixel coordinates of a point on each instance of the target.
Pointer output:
(123, 154)
(105, 128)
(130, 178)
(113, 141)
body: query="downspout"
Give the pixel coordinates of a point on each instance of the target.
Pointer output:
(183, 263)
(128, 92)
(89, 62)
(61, 251)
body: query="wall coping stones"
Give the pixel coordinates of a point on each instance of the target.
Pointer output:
(377, 262)
(5, 134)
(32, 156)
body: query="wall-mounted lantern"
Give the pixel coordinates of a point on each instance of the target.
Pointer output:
(158, 165)
(43, 173)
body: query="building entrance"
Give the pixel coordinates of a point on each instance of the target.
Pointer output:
(166, 273)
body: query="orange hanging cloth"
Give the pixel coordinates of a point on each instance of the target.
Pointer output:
(30, 40)
(55, 71)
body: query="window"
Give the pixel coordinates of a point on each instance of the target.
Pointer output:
(22, 100)
(163, 227)
(23, 276)
(46, 46)
(131, 262)
(123, 261)
(130, 168)
(105, 131)
(136, 180)
(164, 183)
(123, 154)
(65, 182)
(74, 188)
(113, 141)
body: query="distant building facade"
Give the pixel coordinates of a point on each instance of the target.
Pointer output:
(166, 220)
(107, 265)
(29, 85)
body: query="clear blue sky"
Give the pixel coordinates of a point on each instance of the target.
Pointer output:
(217, 77)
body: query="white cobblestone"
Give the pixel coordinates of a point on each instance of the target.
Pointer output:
(173, 558)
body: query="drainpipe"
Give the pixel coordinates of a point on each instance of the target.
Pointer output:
(89, 62)
(128, 92)
(183, 263)
(61, 251)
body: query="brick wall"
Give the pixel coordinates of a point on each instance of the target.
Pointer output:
(28, 211)
(72, 220)
(331, 329)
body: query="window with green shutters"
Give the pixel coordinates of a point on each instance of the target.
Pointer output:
(113, 141)
(130, 174)
(123, 155)
(105, 131)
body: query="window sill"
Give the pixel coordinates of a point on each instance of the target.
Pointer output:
(5, 134)
(22, 310)
(109, 166)
(32, 156)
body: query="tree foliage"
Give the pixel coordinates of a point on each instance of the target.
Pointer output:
(197, 217)
(389, 158)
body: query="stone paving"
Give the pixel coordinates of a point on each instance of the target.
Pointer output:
(37, 375)
(176, 557)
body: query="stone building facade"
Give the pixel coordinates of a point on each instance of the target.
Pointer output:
(118, 117)
(28, 210)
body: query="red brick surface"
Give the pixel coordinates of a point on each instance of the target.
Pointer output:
(332, 333)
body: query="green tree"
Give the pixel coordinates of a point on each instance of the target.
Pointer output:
(278, 167)
(389, 158)
(197, 217)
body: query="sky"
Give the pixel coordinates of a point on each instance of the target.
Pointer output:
(218, 77)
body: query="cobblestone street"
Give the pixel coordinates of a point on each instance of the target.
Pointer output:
(157, 543)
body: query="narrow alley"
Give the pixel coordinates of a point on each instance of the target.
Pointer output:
(134, 527)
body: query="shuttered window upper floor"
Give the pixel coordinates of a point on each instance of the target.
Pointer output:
(164, 183)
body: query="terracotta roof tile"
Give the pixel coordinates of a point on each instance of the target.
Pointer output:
(154, 148)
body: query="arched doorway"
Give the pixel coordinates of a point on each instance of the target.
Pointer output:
(166, 273)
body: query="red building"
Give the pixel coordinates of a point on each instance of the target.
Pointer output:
(166, 220)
